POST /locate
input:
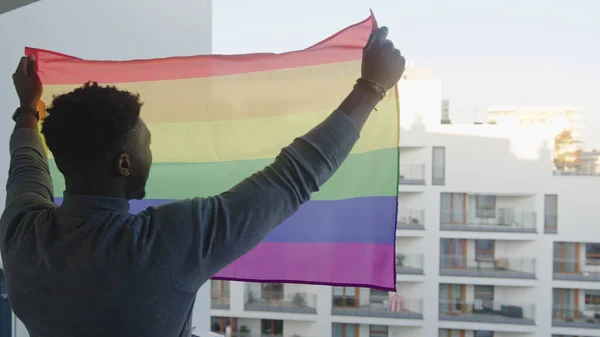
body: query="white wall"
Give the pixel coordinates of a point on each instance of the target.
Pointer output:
(102, 29)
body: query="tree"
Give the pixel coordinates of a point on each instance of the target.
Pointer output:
(566, 151)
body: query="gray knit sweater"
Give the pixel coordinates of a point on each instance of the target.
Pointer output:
(90, 268)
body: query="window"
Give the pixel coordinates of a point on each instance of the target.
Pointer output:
(453, 253)
(485, 206)
(453, 208)
(271, 327)
(551, 212)
(272, 291)
(378, 331)
(483, 334)
(565, 303)
(345, 330)
(452, 298)
(219, 289)
(592, 300)
(484, 298)
(451, 333)
(566, 257)
(439, 166)
(378, 296)
(345, 297)
(220, 324)
(484, 249)
(592, 253)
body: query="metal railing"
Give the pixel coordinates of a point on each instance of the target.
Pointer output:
(412, 174)
(502, 220)
(410, 264)
(575, 270)
(486, 311)
(571, 316)
(398, 307)
(219, 302)
(298, 302)
(411, 219)
(501, 267)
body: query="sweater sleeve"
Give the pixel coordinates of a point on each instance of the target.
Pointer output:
(200, 236)
(29, 186)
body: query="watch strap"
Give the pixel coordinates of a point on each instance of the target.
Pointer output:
(22, 110)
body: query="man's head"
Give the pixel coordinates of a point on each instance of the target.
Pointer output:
(99, 142)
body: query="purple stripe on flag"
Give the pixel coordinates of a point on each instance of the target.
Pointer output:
(357, 220)
(348, 264)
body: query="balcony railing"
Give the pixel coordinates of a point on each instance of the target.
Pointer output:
(302, 303)
(501, 220)
(219, 302)
(572, 317)
(457, 265)
(575, 270)
(410, 264)
(412, 174)
(411, 219)
(392, 308)
(483, 311)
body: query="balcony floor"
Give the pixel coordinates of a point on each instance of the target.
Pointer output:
(369, 312)
(485, 318)
(486, 228)
(486, 272)
(409, 270)
(577, 276)
(283, 307)
(580, 323)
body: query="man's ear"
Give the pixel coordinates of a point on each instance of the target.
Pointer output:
(123, 165)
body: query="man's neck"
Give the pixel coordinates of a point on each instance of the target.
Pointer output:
(100, 187)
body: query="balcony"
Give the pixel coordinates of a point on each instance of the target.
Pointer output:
(484, 311)
(412, 174)
(572, 317)
(395, 307)
(409, 264)
(519, 268)
(219, 302)
(411, 219)
(506, 220)
(299, 303)
(575, 270)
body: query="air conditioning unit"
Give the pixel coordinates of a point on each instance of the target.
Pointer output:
(506, 216)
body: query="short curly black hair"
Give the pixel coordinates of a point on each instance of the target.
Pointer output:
(90, 122)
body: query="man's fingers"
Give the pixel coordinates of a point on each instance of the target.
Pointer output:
(387, 44)
(31, 66)
(22, 67)
(381, 33)
(371, 37)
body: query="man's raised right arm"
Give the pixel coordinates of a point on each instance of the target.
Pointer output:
(203, 235)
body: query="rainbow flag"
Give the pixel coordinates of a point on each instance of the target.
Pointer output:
(216, 119)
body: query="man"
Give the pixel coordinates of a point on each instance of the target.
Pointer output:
(88, 267)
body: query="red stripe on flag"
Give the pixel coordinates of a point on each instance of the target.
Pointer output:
(57, 68)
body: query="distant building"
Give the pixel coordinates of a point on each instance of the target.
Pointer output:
(566, 120)
(564, 117)
(446, 111)
(589, 163)
(418, 73)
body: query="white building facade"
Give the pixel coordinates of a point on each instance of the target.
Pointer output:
(489, 243)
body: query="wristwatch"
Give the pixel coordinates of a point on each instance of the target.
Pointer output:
(21, 110)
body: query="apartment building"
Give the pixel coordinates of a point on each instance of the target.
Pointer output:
(489, 243)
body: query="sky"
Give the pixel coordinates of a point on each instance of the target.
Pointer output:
(530, 52)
